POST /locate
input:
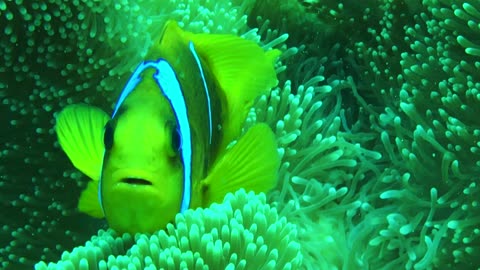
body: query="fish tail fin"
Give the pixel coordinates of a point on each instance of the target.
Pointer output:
(258, 78)
(252, 163)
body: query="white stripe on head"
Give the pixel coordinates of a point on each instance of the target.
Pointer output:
(170, 87)
(131, 84)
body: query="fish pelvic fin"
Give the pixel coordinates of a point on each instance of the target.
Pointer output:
(89, 203)
(79, 129)
(241, 68)
(252, 163)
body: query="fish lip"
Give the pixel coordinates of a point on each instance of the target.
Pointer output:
(133, 177)
(136, 181)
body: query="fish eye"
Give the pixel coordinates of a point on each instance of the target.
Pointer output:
(174, 138)
(108, 136)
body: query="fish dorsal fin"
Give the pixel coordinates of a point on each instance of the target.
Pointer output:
(79, 129)
(252, 164)
(241, 67)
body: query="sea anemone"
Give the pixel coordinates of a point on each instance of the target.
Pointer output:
(410, 93)
(243, 232)
(421, 83)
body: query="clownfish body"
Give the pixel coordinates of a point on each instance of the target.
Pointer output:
(164, 148)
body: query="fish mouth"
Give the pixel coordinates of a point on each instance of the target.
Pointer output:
(134, 177)
(136, 181)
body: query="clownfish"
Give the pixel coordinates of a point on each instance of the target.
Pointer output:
(167, 145)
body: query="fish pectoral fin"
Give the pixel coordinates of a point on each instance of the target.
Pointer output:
(79, 130)
(251, 164)
(89, 203)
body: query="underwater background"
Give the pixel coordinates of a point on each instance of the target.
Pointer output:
(377, 118)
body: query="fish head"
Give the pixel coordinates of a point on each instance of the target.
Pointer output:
(141, 182)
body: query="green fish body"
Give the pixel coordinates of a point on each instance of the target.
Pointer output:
(164, 148)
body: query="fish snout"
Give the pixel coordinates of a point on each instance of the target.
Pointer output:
(135, 200)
